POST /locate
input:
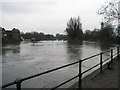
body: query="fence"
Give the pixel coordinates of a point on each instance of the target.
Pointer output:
(18, 82)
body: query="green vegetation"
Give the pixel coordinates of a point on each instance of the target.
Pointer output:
(41, 36)
(106, 34)
(74, 30)
(110, 12)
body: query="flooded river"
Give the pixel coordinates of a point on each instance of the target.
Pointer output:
(26, 59)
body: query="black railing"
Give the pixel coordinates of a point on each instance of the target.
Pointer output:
(18, 82)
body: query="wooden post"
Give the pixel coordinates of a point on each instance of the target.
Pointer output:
(101, 62)
(118, 52)
(80, 75)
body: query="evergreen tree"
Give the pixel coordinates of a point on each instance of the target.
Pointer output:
(74, 30)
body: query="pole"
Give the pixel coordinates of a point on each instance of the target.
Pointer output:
(80, 75)
(111, 56)
(18, 84)
(101, 62)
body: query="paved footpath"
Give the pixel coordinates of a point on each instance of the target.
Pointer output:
(107, 79)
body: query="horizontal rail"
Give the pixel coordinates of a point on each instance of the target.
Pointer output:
(91, 68)
(106, 59)
(48, 71)
(39, 74)
(115, 54)
(90, 57)
(57, 68)
(9, 84)
(65, 82)
(105, 51)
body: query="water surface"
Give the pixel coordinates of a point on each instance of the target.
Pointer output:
(27, 59)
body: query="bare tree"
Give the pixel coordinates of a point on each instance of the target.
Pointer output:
(110, 11)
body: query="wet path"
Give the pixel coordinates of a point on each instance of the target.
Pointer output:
(107, 79)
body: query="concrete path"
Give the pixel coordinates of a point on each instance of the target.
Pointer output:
(107, 79)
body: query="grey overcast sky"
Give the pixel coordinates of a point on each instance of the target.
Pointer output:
(48, 16)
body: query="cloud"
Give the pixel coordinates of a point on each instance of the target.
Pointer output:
(49, 16)
(25, 7)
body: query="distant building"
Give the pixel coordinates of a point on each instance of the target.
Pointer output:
(10, 36)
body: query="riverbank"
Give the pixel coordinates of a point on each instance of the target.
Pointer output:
(107, 79)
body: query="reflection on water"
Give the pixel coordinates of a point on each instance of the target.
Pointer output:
(74, 51)
(106, 46)
(25, 59)
(10, 49)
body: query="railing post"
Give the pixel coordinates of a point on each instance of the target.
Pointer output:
(101, 62)
(18, 84)
(80, 75)
(118, 52)
(111, 56)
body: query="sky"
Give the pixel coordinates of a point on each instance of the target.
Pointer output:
(48, 16)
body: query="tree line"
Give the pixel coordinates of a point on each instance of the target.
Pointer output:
(109, 32)
(41, 36)
(106, 34)
(74, 33)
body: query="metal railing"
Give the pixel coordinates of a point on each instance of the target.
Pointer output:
(18, 82)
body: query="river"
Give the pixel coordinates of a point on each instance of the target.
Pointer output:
(26, 59)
